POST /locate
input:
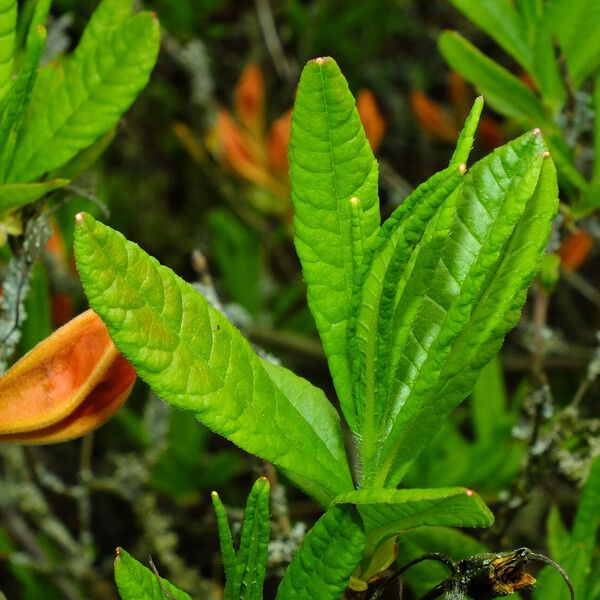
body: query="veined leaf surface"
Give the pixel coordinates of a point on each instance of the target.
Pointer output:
(327, 557)
(137, 582)
(8, 25)
(16, 195)
(97, 88)
(331, 162)
(195, 359)
(465, 284)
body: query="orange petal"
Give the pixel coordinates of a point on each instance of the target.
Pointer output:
(68, 385)
(575, 250)
(432, 117)
(278, 142)
(250, 100)
(371, 118)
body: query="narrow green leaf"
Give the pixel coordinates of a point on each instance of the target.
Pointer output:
(96, 90)
(16, 195)
(19, 97)
(8, 25)
(327, 557)
(330, 162)
(505, 93)
(464, 144)
(195, 359)
(465, 285)
(386, 513)
(501, 21)
(252, 557)
(587, 518)
(374, 302)
(226, 543)
(576, 23)
(136, 582)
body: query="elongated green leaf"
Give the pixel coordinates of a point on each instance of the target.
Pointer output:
(489, 400)
(330, 162)
(327, 557)
(8, 25)
(107, 16)
(516, 187)
(252, 557)
(465, 284)
(96, 90)
(464, 143)
(136, 582)
(195, 359)
(501, 21)
(16, 195)
(19, 97)
(505, 93)
(226, 544)
(576, 23)
(386, 513)
(375, 298)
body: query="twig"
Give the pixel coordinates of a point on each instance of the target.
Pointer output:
(269, 31)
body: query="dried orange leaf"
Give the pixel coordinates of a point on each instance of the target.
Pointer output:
(278, 142)
(68, 385)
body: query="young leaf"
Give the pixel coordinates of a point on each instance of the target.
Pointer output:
(464, 287)
(226, 544)
(252, 557)
(386, 513)
(327, 557)
(68, 385)
(464, 143)
(501, 21)
(137, 582)
(576, 23)
(8, 25)
(195, 359)
(330, 163)
(98, 87)
(374, 299)
(506, 93)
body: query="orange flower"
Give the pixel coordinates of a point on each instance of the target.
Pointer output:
(258, 156)
(68, 385)
(575, 250)
(444, 123)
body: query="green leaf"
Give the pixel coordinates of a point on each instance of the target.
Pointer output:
(195, 359)
(501, 21)
(465, 285)
(576, 23)
(330, 162)
(96, 90)
(489, 403)
(252, 557)
(374, 301)
(107, 16)
(8, 25)
(587, 518)
(226, 543)
(136, 582)
(505, 93)
(386, 513)
(19, 97)
(327, 557)
(16, 195)
(465, 140)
